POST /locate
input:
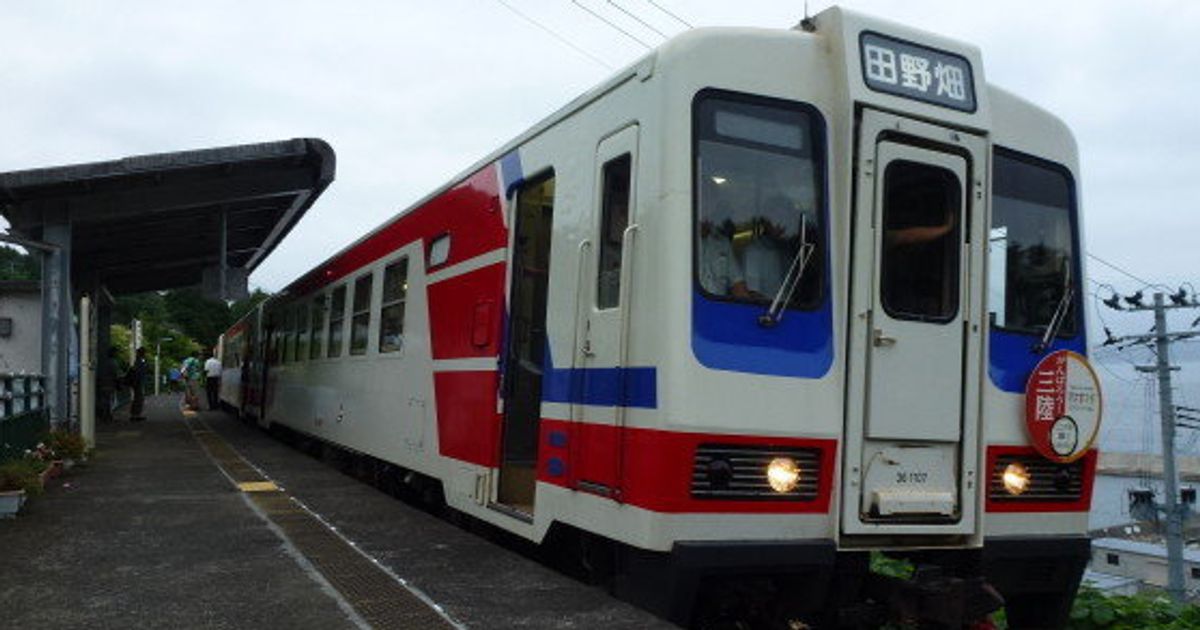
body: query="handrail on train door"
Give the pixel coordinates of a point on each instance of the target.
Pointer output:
(627, 241)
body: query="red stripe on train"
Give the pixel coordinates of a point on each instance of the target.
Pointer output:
(468, 425)
(469, 212)
(656, 466)
(466, 313)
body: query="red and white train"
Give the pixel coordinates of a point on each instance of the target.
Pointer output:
(756, 306)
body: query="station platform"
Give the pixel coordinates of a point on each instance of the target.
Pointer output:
(200, 520)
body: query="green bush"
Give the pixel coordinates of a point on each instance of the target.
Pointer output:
(1093, 610)
(22, 474)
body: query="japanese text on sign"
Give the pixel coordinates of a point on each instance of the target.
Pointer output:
(916, 72)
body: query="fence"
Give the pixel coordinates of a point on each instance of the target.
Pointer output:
(23, 420)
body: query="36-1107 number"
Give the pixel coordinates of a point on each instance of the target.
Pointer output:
(904, 476)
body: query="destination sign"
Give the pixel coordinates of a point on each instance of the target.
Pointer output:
(917, 72)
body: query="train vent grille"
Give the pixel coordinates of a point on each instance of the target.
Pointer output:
(739, 473)
(1048, 481)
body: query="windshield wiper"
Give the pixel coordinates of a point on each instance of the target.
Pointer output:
(1060, 312)
(791, 280)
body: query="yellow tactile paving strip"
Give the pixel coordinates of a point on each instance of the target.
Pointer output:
(376, 596)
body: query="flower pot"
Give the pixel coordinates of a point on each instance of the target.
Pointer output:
(11, 502)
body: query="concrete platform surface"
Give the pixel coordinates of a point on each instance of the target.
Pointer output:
(153, 534)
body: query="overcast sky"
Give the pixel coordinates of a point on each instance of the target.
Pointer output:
(410, 93)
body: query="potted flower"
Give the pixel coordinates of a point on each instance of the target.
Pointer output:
(69, 446)
(19, 479)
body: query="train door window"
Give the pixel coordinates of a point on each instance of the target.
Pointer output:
(337, 315)
(391, 320)
(318, 327)
(921, 242)
(614, 218)
(758, 190)
(1031, 245)
(360, 320)
(302, 331)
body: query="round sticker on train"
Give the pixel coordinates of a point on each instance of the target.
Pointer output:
(1062, 406)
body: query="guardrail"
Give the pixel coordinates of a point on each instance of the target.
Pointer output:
(23, 419)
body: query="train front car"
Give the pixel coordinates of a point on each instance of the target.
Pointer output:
(878, 256)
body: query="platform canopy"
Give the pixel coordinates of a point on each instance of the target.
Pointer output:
(161, 221)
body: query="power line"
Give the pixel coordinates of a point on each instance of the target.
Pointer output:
(610, 23)
(637, 19)
(554, 34)
(672, 15)
(1145, 283)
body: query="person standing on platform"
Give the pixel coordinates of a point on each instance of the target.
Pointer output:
(190, 369)
(212, 386)
(136, 379)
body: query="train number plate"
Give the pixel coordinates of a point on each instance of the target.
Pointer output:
(905, 480)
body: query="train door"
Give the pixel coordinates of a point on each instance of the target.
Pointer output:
(912, 417)
(525, 352)
(601, 333)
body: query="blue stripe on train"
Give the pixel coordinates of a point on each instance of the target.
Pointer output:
(604, 387)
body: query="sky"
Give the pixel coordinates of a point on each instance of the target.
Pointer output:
(411, 93)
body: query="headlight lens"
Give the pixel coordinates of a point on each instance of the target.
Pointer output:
(783, 474)
(1016, 478)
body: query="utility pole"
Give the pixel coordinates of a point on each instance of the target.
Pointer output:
(1173, 509)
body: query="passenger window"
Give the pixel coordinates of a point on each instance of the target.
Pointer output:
(337, 314)
(758, 191)
(614, 218)
(391, 321)
(318, 327)
(921, 208)
(360, 321)
(302, 332)
(289, 326)
(439, 250)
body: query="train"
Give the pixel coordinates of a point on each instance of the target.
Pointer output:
(757, 310)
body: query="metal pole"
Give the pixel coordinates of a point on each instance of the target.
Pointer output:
(1170, 480)
(87, 374)
(157, 351)
(224, 251)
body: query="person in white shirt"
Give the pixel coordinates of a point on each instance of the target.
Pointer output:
(212, 385)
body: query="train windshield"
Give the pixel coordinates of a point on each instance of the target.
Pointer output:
(758, 190)
(1032, 246)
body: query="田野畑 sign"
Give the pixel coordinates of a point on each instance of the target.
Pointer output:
(1062, 406)
(917, 72)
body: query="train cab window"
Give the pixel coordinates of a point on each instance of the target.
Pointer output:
(302, 332)
(360, 320)
(758, 194)
(614, 218)
(391, 320)
(1031, 246)
(337, 315)
(921, 242)
(318, 327)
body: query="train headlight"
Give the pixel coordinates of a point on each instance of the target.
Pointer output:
(783, 474)
(1016, 478)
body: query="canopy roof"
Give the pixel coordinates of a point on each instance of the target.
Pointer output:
(154, 222)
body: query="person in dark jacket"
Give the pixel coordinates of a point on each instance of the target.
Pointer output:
(136, 379)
